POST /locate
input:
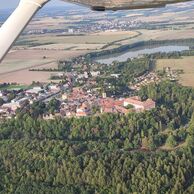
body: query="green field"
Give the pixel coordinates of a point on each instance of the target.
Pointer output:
(185, 63)
(14, 87)
(100, 38)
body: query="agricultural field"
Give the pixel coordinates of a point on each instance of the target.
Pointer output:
(48, 22)
(44, 50)
(69, 47)
(185, 63)
(15, 68)
(25, 77)
(95, 38)
(161, 34)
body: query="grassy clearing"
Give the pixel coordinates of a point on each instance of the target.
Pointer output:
(185, 63)
(15, 87)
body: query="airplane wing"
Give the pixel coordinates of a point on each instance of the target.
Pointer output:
(26, 9)
(16, 23)
(102, 5)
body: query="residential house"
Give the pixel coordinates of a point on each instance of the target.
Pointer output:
(83, 110)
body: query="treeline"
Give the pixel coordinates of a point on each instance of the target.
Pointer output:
(46, 69)
(118, 41)
(140, 44)
(109, 153)
(31, 43)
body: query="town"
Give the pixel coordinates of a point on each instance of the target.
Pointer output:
(97, 102)
(76, 103)
(83, 88)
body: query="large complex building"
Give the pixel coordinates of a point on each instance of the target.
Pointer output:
(138, 104)
(110, 105)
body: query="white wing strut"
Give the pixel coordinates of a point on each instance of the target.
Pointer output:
(16, 23)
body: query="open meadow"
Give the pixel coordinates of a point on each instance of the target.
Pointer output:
(185, 63)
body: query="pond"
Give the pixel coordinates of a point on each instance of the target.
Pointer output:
(108, 59)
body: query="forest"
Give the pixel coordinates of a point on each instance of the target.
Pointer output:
(148, 152)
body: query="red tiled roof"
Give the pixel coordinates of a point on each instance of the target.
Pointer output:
(109, 109)
(121, 109)
(119, 102)
(81, 114)
(149, 103)
(110, 105)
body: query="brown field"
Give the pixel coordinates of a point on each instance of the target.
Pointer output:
(48, 22)
(32, 54)
(161, 34)
(15, 68)
(25, 77)
(168, 34)
(186, 63)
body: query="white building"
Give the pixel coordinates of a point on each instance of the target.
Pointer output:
(35, 90)
(54, 87)
(95, 73)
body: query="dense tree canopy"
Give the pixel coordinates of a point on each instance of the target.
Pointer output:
(149, 152)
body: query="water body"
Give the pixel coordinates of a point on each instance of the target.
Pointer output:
(121, 57)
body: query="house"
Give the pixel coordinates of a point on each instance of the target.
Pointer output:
(70, 114)
(15, 104)
(138, 104)
(82, 76)
(35, 90)
(110, 105)
(95, 73)
(64, 96)
(122, 110)
(104, 95)
(54, 87)
(6, 113)
(83, 110)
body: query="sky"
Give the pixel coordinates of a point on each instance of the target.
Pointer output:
(4, 4)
